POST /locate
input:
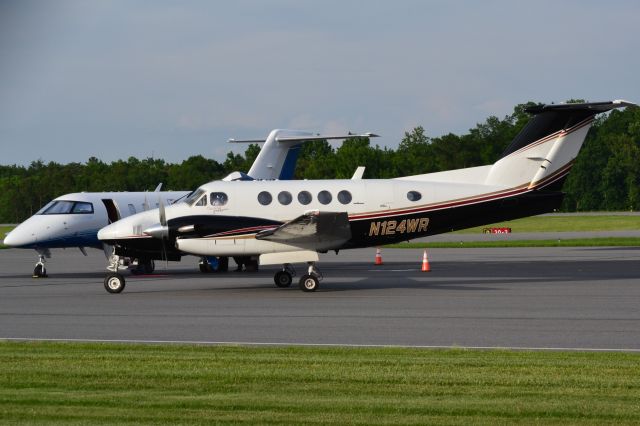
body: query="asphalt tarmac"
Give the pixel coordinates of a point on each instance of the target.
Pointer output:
(573, 298)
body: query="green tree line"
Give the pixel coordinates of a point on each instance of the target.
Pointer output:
(606, 175)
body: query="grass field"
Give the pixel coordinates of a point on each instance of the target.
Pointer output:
(80, 383)
(3, 231)
(576, 242)
(568, 223)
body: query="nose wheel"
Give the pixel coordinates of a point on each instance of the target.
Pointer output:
(114, 283)
(40, 271)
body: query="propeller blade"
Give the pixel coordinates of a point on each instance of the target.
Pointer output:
(164, 234)
(163, 216)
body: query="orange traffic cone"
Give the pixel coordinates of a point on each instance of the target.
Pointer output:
(378, 256)
(425, 262)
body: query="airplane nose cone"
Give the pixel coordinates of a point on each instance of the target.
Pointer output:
(19, 238)
(109, 232)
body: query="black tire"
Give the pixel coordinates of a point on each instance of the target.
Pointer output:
(39, 271)
(223, 264)
(308, 283)
(251, 265)
(204, 267)
(149, 266)
(283, 279)
(114, 283)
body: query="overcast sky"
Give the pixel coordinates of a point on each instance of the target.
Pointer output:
(114, 79)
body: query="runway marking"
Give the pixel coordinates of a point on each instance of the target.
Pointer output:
(348, 345)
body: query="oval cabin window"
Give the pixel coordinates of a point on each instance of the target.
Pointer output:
(344, 197)
(285, 198)
(264, 198)
(414, 195)
(304, 197)
(324, 197)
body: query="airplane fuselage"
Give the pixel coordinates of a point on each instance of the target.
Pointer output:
(73, 220)
(379, 212)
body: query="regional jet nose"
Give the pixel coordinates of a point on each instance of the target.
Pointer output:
(20, 237)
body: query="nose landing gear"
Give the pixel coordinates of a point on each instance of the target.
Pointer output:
(40, 271)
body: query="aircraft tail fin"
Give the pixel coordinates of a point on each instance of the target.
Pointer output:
(544, 151)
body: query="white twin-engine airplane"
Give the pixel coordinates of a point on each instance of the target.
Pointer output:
(73, 220)
(284, 222)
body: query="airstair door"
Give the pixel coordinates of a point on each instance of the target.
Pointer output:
(112, 210)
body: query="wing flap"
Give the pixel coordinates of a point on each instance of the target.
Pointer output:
(314, 230)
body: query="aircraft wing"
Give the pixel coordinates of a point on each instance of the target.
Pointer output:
(313, 230)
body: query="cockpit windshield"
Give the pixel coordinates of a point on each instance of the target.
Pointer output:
(68, 207)
(194, 196)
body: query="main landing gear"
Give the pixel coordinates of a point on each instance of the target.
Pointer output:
(284, 278)
(308, 282)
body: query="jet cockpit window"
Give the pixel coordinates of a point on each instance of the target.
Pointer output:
(45, 207)
(82, 208)
(68, 207)
(194, 196)
(202, 201)
(414, 195)
(59, 207)
(218, 198)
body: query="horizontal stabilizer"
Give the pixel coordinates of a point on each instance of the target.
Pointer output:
(310, 137)
(595, 107)
(324, 137)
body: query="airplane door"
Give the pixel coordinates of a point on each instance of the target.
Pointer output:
(112, 210)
